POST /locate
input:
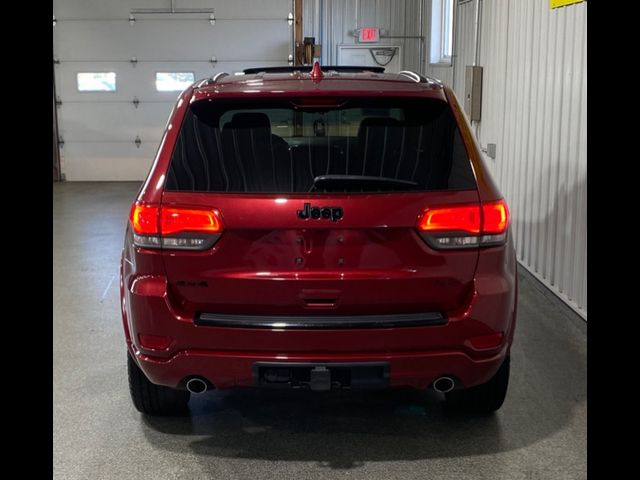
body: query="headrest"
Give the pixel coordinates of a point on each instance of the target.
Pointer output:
(250, 120)
(377, 122)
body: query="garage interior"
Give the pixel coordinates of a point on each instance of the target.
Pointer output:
(117, 68)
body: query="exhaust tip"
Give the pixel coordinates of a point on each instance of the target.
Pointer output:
(197, 385)
(444, 384)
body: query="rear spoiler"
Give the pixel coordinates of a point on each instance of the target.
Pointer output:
(307, 68)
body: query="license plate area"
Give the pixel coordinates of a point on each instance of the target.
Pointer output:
(321, 376)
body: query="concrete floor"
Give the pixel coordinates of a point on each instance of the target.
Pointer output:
(540, 432)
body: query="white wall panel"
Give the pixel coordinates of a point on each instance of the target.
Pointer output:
(464, 44)
(534, 109)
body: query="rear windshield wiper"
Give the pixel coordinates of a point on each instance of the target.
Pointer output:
(360, 183)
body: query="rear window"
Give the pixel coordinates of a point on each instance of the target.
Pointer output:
(319, 146)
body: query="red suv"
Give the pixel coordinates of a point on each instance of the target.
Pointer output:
(318, 228)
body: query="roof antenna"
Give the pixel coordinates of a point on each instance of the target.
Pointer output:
(316, 72)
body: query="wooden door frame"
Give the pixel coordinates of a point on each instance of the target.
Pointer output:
(57, 174)
(298, 40)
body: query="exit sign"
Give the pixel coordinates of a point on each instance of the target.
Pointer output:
(369, 34)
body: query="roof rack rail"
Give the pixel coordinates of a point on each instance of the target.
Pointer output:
(208, 81)
(307, 68)
(218, 76)
(416, 77)
(413, 76)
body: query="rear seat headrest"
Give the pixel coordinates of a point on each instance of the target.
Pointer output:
(249, 120)
(377, 122)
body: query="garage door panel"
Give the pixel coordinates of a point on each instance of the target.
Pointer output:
(179, 40)
(131, 81)
(99, 128)
(139, 81)
(106, 161)
(238, 66)
(109, 122)
(78, 9)
(188, 40)
(82, 9)
(101, 40)
(247, 9)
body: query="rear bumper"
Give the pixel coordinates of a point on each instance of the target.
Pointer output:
(416, 355)
(226, 369)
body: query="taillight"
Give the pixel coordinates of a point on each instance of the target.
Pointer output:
(465, 226)
(175, 227)
(176, 220)
(449, 219)
(495, 217)
(495, 221)
(144, 219)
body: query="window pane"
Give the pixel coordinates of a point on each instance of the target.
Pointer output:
(441, 49)
(173, 81)
(96, 82)
(448, 29)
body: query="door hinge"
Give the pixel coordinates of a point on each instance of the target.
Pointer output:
(137, 141)
(135, 102)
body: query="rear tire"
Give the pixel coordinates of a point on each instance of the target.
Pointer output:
(152, 399)
(485, 398)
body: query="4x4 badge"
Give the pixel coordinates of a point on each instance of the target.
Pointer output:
(329, 213)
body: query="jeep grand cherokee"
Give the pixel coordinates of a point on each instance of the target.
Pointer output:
(318, 228)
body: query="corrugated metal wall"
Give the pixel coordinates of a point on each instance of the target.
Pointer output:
(463, 43)
(534, 108)
(339, 18)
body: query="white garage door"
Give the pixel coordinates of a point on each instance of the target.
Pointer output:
(113, 135)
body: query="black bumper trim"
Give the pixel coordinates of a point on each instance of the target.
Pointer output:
(428, 319)
(362, 374)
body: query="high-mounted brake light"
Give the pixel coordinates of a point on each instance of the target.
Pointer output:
(465, 226)
(317, 102)
(175, 227)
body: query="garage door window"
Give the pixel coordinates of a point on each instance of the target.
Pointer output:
(96, 81)
(173, 81)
